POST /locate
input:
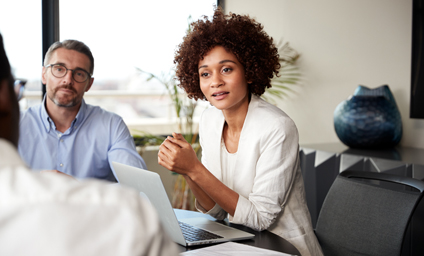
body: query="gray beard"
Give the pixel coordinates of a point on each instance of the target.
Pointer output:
(57, 103)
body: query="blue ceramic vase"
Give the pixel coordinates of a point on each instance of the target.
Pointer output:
(369, 119)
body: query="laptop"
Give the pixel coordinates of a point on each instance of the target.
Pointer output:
(150, 186)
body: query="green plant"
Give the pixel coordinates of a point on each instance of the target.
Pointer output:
(183, 106)
(288, 76)
(143, 139)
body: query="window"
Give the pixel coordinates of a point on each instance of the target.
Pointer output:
(21, 31)
(125, 36)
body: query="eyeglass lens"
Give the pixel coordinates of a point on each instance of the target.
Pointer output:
(78, 74)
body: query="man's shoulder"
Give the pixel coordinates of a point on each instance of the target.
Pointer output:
(31, 111)
(101, 113)
(103, 124)
(96, 116)
(99, 110)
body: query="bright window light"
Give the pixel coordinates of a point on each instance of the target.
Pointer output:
(125, 36)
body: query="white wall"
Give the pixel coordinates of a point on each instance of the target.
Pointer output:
(343, 43)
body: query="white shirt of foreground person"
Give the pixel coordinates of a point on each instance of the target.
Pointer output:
(51, 214)
(266, 174)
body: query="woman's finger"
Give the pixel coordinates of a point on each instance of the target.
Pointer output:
(164, 154)
(163, 163)
(167, 149)
(179, 140)
(171, 145)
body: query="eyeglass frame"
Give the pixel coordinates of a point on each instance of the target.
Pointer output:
(19, 87)
(73, 70)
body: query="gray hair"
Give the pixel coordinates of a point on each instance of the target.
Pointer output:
(71, 45)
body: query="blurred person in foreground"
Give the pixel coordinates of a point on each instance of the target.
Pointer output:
(50, 214)
(66, 135)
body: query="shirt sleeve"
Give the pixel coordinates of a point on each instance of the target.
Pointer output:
(274, 174)
(123, 149)
(217, 212)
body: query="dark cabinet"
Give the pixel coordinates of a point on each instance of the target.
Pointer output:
(321, 163)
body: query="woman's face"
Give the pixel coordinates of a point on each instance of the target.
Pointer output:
(222, 79)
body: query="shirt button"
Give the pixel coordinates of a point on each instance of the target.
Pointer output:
(61, 165)
(61, 140)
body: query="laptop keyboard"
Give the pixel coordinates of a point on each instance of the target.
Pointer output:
(193, 234)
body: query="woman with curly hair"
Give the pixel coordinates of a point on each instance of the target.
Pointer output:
(250, 168)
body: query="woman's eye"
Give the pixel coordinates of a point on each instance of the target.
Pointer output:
(225, 70)
(205, 74)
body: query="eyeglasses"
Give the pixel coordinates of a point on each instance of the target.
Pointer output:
(78, 74)
(19, 87)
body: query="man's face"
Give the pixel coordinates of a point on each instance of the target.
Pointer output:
(65, 91)
(9, 113)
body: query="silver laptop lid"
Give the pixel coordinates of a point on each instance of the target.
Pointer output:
(150, 183)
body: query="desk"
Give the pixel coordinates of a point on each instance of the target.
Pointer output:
(263, 239)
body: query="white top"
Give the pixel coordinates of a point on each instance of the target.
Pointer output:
(267, 175)
(228, 164)
(50, 214)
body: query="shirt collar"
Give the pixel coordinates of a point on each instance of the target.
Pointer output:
(48, 122)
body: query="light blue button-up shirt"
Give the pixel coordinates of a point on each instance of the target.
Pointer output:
(95, 139)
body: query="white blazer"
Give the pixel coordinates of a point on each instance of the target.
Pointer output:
(268, 177)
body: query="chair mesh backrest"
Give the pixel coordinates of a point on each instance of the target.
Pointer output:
(363, 219)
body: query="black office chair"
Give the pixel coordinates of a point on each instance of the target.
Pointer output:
(364, 217)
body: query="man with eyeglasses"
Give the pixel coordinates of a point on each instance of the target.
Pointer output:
(63, 133)
(45, 214)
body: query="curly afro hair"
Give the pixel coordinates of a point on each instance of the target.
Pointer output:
(238, 34)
